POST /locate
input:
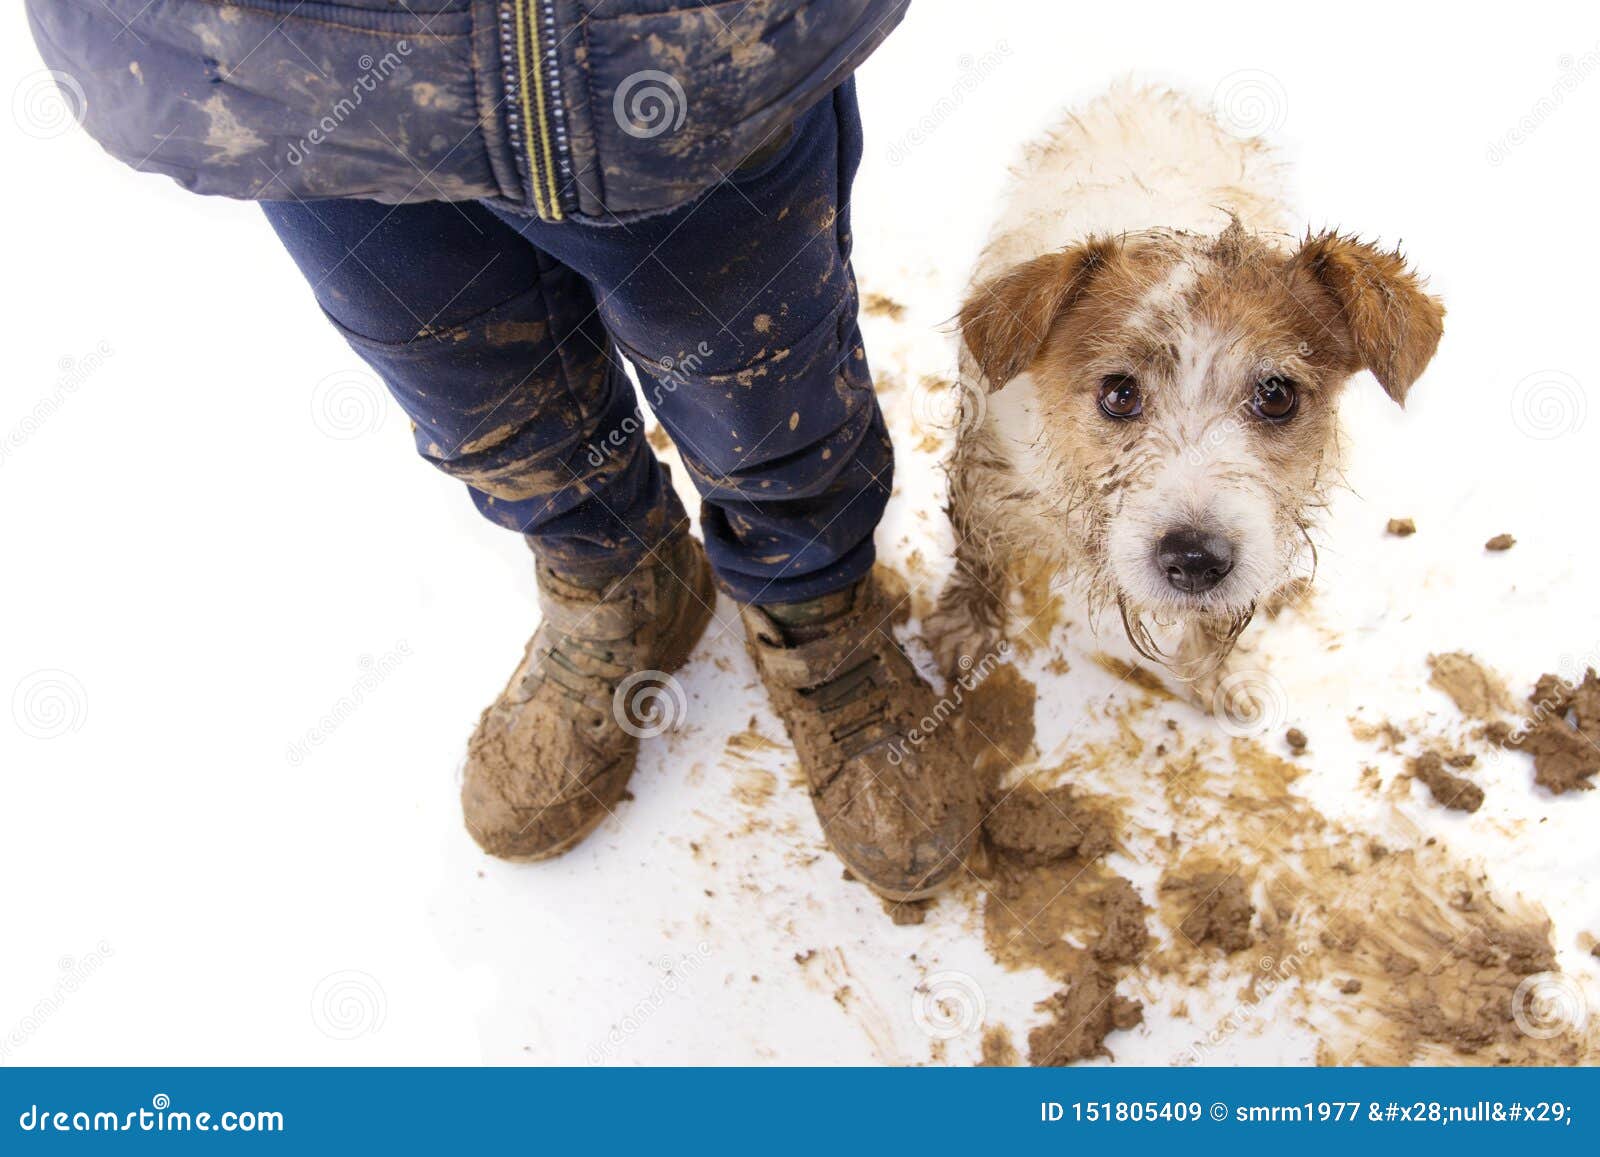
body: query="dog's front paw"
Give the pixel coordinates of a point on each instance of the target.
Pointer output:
(959, 640)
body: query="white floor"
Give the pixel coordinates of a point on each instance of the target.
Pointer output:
(208, 858)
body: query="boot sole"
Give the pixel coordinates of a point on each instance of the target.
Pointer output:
(899, 895)
(678, 650)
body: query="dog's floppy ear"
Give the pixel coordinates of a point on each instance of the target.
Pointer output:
(1006, 319)
(1393, 324)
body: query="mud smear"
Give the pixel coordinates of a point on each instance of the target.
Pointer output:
(1425, 960)
(881, 305)
(1259, 912)
(996, 723)
(753, 784)
(1562, 733)
(998, 1051)
(1475, 690)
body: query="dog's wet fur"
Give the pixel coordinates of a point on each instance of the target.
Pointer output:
(1194, 337)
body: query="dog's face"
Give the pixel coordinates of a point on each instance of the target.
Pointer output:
(1185, 388)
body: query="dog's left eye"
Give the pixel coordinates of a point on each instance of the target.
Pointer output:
(1276, 400)
(1120, 396)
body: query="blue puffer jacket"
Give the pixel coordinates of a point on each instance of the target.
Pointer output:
(586, 109)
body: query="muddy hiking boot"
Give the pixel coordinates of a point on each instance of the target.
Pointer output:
(901, 812)
(552, 756)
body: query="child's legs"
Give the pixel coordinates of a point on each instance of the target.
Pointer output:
(739, 310)
(496, 353)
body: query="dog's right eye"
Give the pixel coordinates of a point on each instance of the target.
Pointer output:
(1120, 396)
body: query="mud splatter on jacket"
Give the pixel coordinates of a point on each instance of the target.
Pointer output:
(582, 109)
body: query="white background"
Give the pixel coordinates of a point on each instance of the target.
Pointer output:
(203, 571)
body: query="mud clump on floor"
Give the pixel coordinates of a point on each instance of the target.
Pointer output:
(1562, 733)
(1032, 827)
(1448, 789)
(1401, 527)
(1209, 905)
(1082, 1015)
(1476, 691)
(1054, 906)
(1500, 542)
(907, 912)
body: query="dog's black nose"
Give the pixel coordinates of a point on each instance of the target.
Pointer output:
(1194, 560)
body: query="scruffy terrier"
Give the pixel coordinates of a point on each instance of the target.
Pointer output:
(1150, 371)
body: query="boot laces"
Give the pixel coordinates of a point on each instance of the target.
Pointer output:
(864, 687)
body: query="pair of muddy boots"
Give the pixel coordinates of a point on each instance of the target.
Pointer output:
(552, 757)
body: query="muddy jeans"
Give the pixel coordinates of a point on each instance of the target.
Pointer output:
(502, 337)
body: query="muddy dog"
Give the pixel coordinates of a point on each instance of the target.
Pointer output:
(1150, 371)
